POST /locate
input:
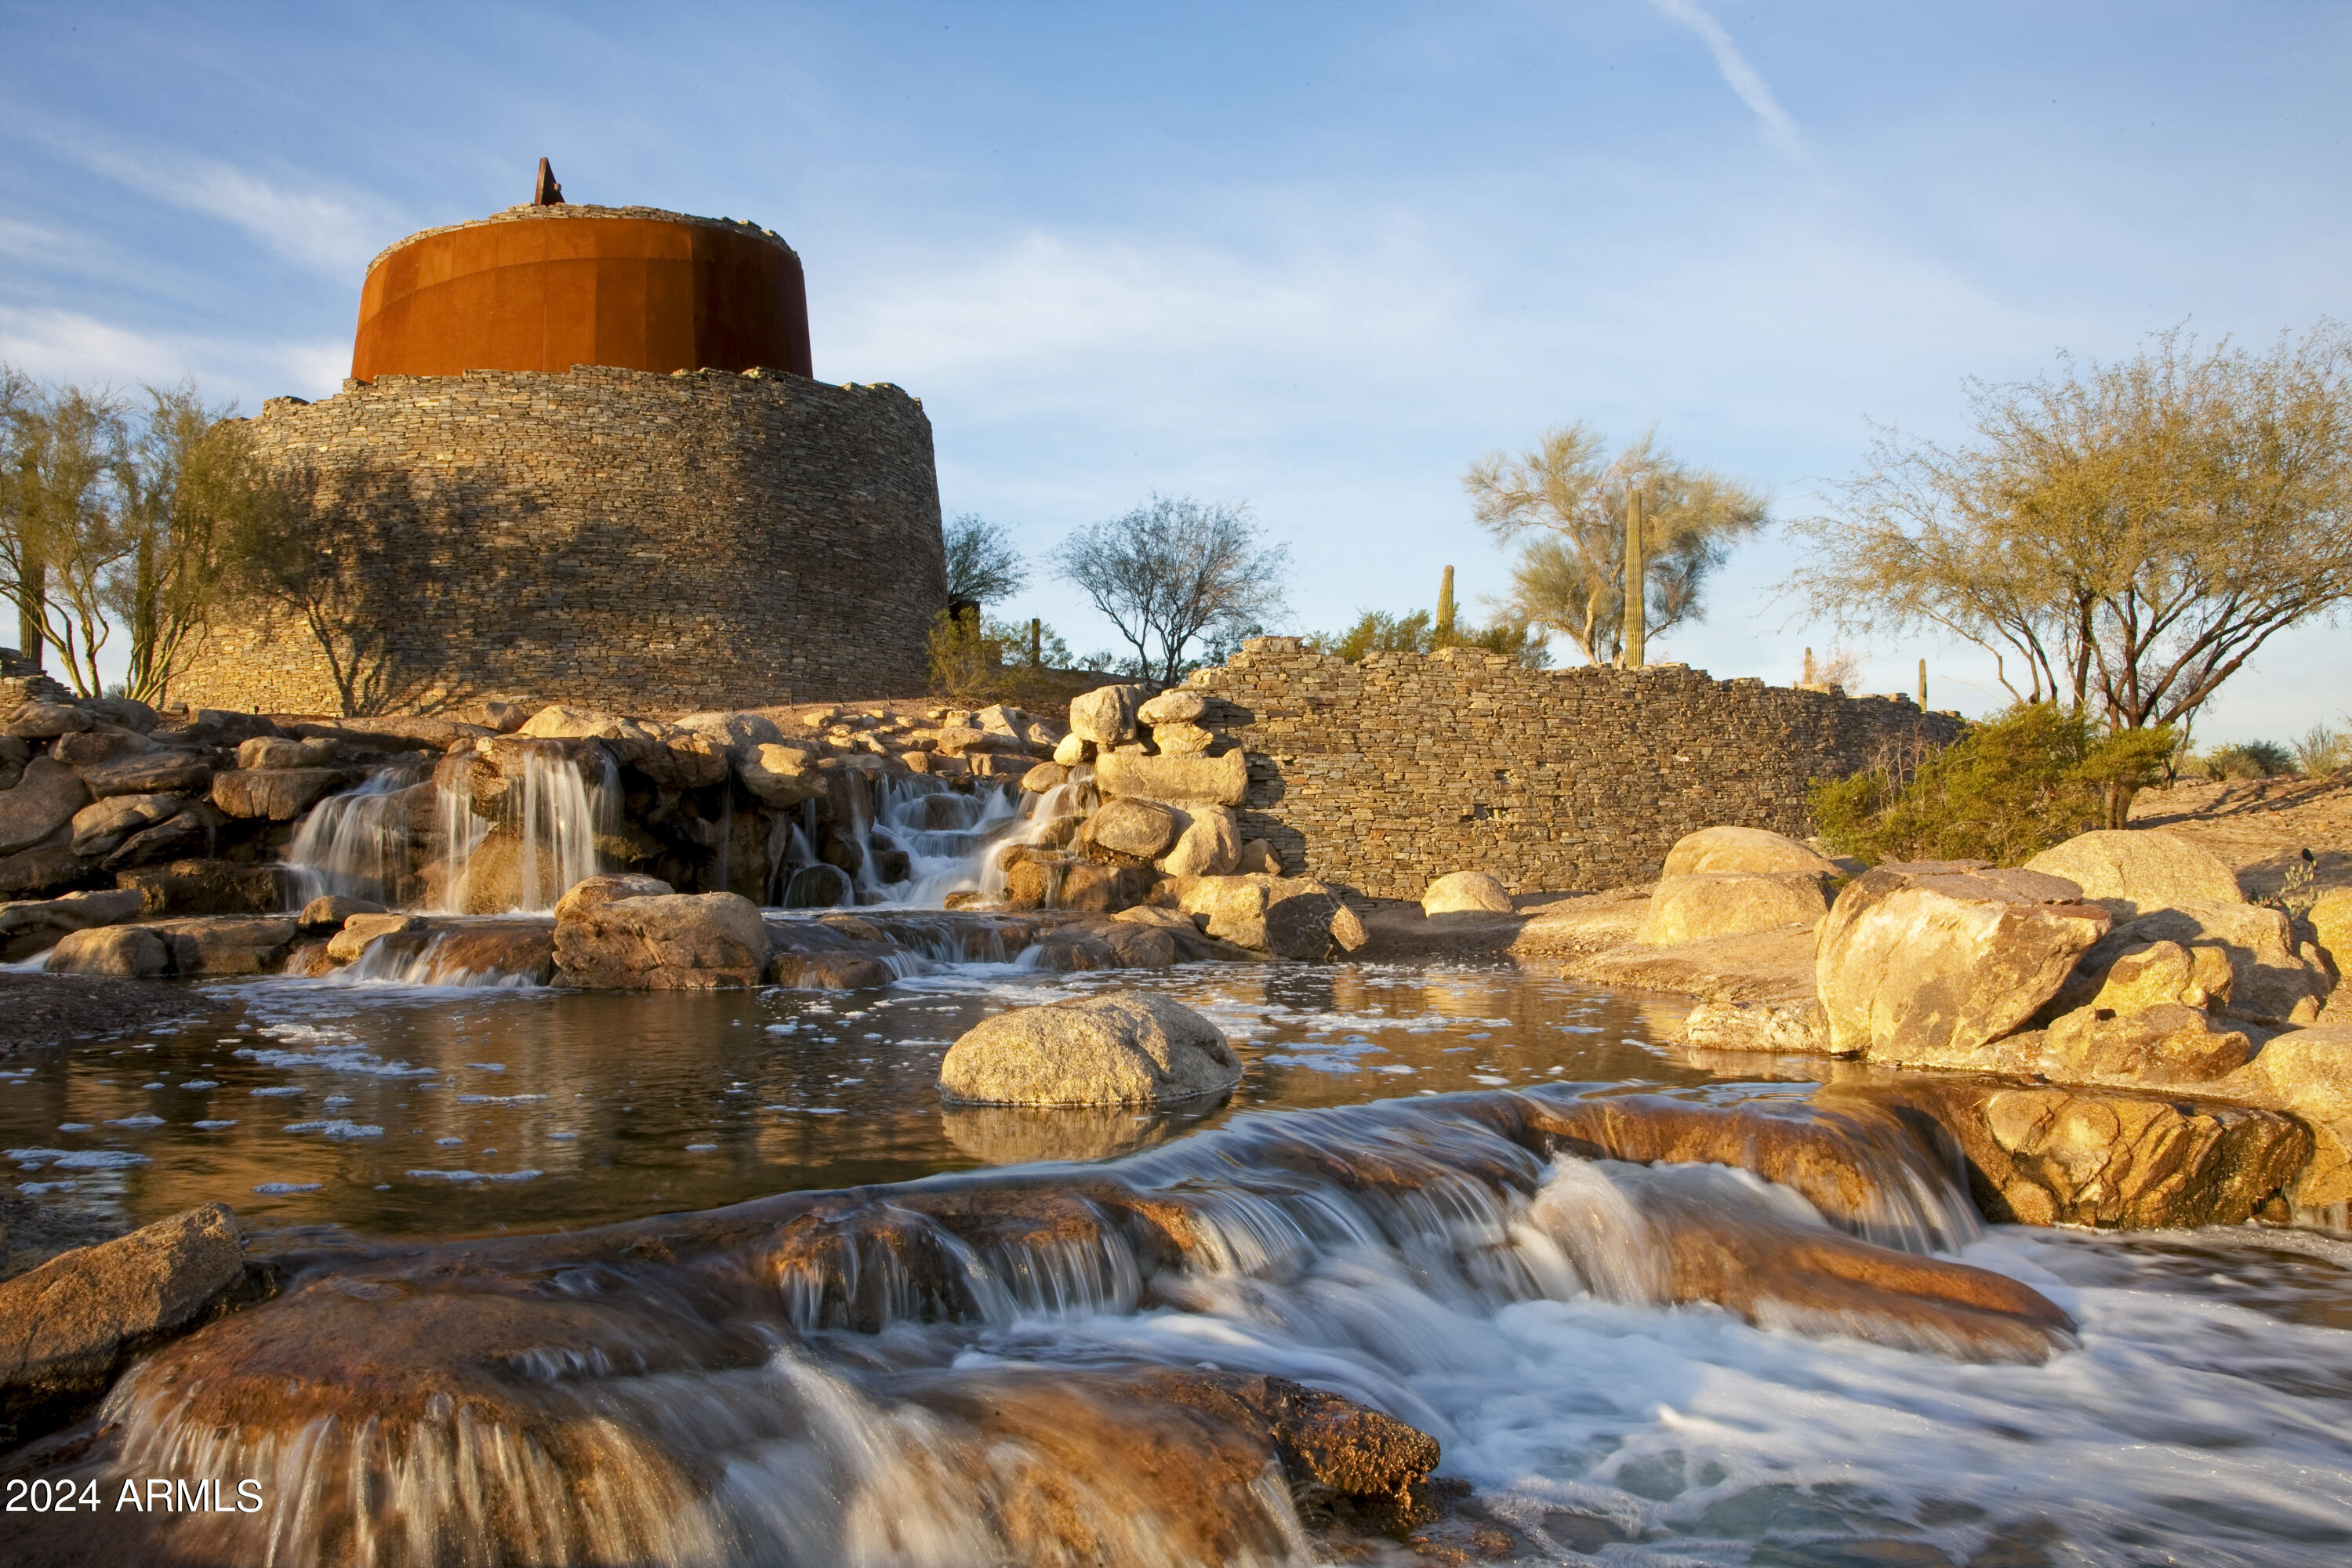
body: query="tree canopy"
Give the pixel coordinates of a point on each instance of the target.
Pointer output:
(1174, 570)
(117, 513)
(983, 566)
(2121, 537)
(1570, 578)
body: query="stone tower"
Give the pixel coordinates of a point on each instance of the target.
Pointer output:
(581, 457)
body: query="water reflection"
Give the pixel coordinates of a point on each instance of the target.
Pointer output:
(393, 1111)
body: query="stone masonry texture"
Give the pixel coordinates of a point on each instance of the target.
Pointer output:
(607, 537)
(1380, 776)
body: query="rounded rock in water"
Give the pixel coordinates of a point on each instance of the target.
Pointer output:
(1131, 1049)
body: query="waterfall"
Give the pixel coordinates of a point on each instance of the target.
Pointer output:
(1000, 1368)
(948, 840)
(542, 840)
(357, 844)
(562, 815)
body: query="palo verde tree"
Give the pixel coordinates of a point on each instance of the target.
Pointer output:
(1570, 576)
(1173, 570)
(2121, 537)
(115, 515)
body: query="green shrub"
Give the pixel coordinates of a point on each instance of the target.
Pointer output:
(2007, 789)
(2250, 760)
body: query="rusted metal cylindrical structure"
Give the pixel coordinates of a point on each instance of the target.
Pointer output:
(544, 287)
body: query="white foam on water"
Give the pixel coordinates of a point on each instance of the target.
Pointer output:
(2181, 1418)
(474, 1176)
(77, 1159)
(279, 1189)
(339, 1129)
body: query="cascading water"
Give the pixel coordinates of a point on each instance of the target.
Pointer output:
(542, 840)
(359, 844)
(1009, 1368)
(948, 842)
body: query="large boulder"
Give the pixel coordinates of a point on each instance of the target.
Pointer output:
(278, 752)
(2271, 982)
(1922, 963)
(1465, 893)
(45, 868)
(740, 735)
(228, 944)
(129, 952)
(206, 887)
(44, 800)
(589, 892)
(1221, 781)
(2165, 1044)
(1210, 845)
(1178, 705)
(1143, 829)
(1044, 777)
(1730, 903)
(158, 772)
(2123, 974)
(66, 1325)
(32, 926)
(1306, 919)
(1182, 739)
(99, 828)
(684, 760)
(2137, 871)
(781, 776)
(1107, 715)
(1712, 849)
(2309, 1072)
(1291, 917)
(2111, 1158)
(279, 795)
(361, 932)
(1131, 1049)
(85, 748)
(47, 721)
(2331, 928)
(675, 942)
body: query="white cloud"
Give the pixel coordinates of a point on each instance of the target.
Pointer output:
(332, 231)
(56, 344)
(1741, 77)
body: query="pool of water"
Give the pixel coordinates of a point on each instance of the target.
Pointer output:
(2200, 1413)
(400, 1111)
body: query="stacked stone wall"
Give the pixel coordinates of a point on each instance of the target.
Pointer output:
(1380, 776)
(612, 537)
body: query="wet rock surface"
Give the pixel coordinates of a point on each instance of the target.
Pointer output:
(627, 1361)
(66, 1324)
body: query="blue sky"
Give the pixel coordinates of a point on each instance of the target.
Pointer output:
(1312, 257)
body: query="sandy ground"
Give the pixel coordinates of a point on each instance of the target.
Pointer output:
(2260, 827)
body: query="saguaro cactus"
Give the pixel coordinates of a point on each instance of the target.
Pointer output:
(1637, 607)
(1446, 609)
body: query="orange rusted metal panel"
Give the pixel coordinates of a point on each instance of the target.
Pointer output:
(573, 285)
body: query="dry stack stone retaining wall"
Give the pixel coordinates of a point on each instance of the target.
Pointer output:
(1381, 775)
(609, 537)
